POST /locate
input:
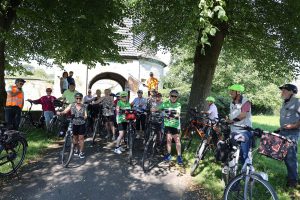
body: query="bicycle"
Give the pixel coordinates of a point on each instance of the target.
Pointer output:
(13, 148)
(208, 143)
(68, 146)
(58, 123)
(27, 122)
(130, 116)
(249, 184)
(155, 145)
(193, 128)
(98, 125)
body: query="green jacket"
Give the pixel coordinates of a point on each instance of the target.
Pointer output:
(122, 106)
(168, 105)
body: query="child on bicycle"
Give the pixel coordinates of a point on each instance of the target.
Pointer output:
(122, 105)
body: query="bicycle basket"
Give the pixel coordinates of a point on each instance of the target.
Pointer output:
(130, 115)
(274, 146)
(10, 135)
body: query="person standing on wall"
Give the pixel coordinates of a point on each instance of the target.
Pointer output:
(70, 78)
(14, 104)
(64, 85)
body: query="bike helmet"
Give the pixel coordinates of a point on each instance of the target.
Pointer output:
(123, 94)
(289, 87)
(210, 98)
(78, 95)
(237, 87)
(118, 94)
(20, 80)
(174, 92)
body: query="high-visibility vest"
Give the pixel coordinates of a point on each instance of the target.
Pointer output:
(15, 100)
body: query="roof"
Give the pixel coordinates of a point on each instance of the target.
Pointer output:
(132, 42)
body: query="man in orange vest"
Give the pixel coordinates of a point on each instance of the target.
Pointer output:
(14, 104)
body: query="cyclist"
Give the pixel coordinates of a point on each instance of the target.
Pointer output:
(212, 110)
(88, 98)
(172, 125)
(139, 104)
(290, 128)
(108, 113)
(78, 110)
(122, 105)
(240, 114)
(47, 105)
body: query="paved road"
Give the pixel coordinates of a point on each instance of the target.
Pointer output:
(102, 175)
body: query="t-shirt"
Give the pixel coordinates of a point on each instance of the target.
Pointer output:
(139, 104)
(120, 115)
(152, 83)
(69, 96)
(173, 122)
(107, 105)
(78, 114)
(213, 112)
(290, 114)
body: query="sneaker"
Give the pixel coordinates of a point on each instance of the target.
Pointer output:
(76, 152)
(168, 157)
(117, 150)
(179, 160)
(81, 155)
(122, 149)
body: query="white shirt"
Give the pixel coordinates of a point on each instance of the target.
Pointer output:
(213, 112)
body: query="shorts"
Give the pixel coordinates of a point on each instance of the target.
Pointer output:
(79, 129)
(172, 130)
(109, 118)
(122, 126)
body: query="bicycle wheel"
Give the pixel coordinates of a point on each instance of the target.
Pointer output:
(95, 131)
(67, 150)
(12, 156)
(200, 153)
(53, 128)
(130, 143)
(249, 187)
(148, 159)
(187, 138)
(25, 124)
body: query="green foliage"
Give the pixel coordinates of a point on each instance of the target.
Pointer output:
(64, 31)
(263, 93)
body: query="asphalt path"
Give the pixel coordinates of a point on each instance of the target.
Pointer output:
(101, 175)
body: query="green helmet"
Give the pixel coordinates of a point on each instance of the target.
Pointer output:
(123, 94)
(237, 87)
(210, 98)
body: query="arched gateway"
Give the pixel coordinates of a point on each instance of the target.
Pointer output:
(109, 75)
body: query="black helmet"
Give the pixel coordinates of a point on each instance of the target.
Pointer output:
(174, 92)
(20, 80)
(78, 95)
(289, 87)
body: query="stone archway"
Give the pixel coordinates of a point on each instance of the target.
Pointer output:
(109, 75)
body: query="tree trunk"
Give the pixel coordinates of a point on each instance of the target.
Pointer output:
(204, 69)
(2, 83)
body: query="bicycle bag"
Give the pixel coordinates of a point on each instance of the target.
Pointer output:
(223, 151)
(130, 115)
(274, 146)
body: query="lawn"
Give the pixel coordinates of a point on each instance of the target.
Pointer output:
(209, 172)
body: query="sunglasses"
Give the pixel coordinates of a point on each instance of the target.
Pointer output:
(48, 91)
(123, 96)
(174, 96)
(78, 98)
(21, 83)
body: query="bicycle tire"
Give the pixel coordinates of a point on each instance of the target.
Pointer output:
(130, 141)
(236, 188)
(67, 151)
(9, 155)
(95, 131)
(25, 124)
(149, 153)
(199, 155)
(53, 125)
(187, 137)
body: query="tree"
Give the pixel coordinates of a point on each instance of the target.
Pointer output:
(266, 31)
(63, 31)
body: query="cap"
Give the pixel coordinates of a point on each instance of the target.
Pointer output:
(289, 87)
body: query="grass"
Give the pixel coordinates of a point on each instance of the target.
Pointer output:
(38, 141)
(209, 172)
